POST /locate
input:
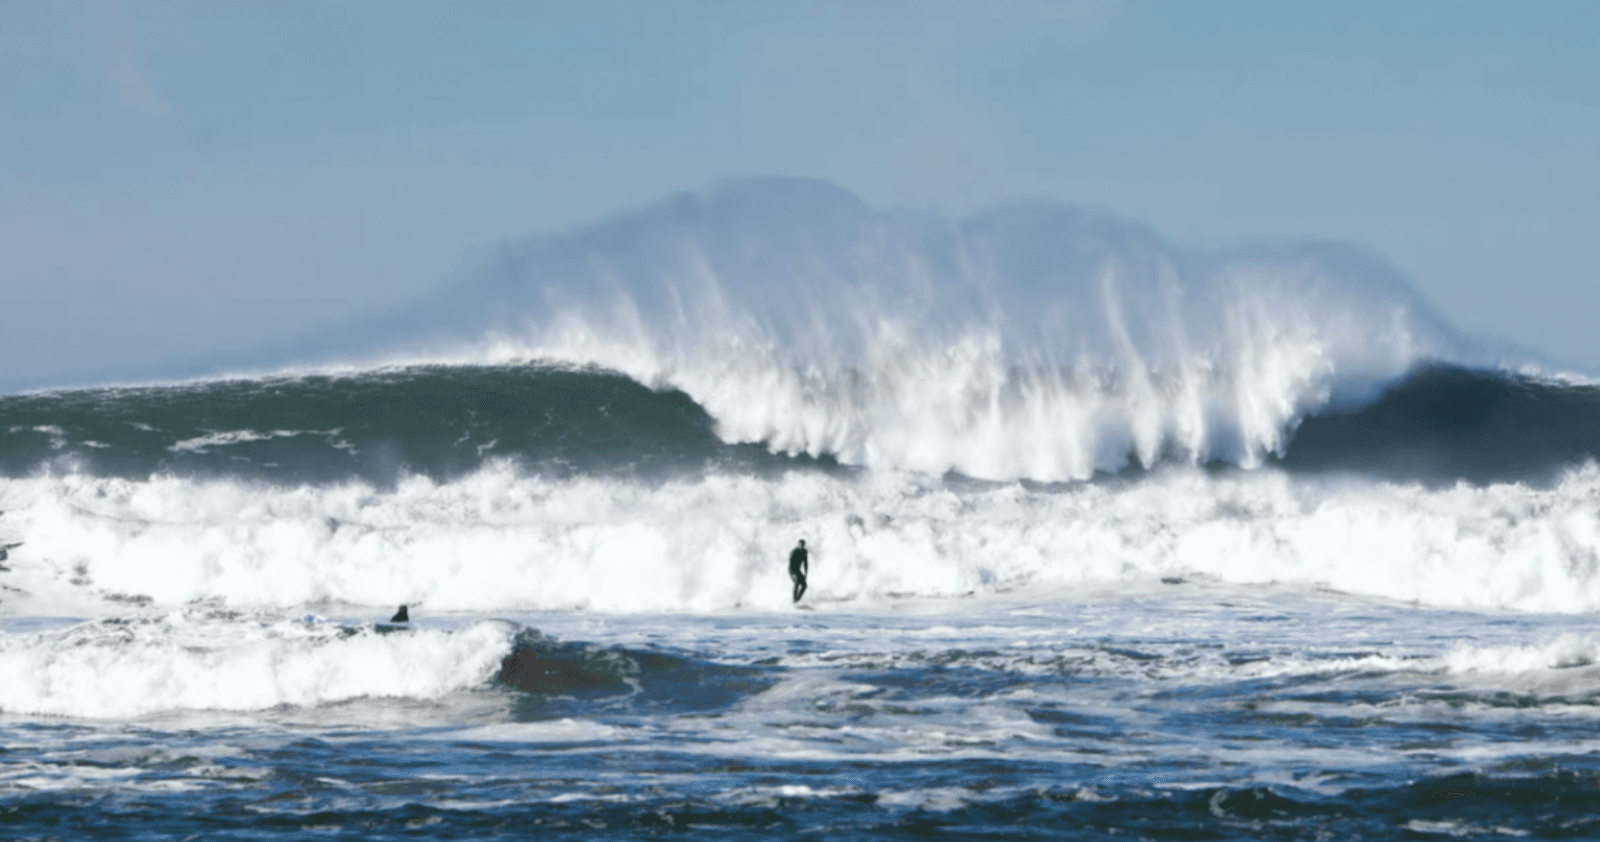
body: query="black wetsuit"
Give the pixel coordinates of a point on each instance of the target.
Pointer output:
(798, 562)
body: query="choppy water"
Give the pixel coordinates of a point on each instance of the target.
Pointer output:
(1192, 710)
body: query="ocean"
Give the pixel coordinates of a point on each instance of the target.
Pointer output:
(1108, 539)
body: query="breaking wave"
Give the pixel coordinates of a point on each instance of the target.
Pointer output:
(1037, 341)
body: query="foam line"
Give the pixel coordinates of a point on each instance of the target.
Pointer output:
(499, 540)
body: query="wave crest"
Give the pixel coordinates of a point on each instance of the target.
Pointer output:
(1038, 341)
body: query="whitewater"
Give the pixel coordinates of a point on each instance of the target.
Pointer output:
(1109, 537)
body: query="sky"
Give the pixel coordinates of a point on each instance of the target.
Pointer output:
(182, 178)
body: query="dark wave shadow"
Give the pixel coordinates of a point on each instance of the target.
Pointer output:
(558, 678)
(1444, 424)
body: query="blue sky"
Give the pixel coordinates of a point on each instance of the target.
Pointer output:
(180, 179)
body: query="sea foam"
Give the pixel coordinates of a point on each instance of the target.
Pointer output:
(498, 540)
(193, 659)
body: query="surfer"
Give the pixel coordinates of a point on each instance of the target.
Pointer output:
(401, 616)
(799, 562)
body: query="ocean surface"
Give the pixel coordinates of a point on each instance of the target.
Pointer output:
(1109, 540)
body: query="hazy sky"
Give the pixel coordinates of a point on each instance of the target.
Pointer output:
(185, 178)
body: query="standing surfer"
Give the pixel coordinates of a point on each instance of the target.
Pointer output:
(799, 563)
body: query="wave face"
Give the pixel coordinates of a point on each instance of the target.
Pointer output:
(375, 426)
(1038, 341)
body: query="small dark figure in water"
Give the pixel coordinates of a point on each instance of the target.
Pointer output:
(401, 616)
(799, 563)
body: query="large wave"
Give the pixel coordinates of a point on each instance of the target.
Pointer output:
(639, 415)
(1038, 341)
